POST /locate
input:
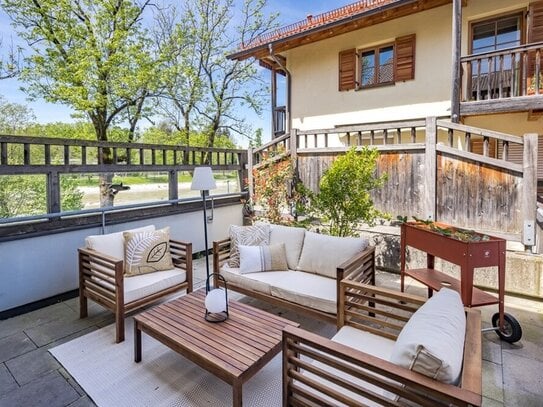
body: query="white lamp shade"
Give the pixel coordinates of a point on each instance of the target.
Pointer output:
(215, 301)
(203, 180)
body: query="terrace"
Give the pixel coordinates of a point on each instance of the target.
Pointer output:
(46, 245)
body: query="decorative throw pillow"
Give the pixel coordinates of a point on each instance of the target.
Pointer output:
(255, 235)
(432, 341)
(146, 252)
(253, 259)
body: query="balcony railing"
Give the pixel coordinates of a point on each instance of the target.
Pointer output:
(506, 73)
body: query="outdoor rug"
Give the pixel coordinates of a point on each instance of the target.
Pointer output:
(108, 374)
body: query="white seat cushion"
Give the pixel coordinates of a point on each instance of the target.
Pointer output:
(310, 290)
(140, 286)
(432, 341)
(112, 244)
(293, 238)
(322, 254)
(252, 281)
(367, 342)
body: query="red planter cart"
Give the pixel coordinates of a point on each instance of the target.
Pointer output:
(469, 250)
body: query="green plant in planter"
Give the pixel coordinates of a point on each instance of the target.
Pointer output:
(344, 199)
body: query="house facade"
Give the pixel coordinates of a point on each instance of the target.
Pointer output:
(477, 62)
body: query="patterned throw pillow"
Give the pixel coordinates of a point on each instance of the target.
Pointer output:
(146, 252)
(255, 235)
(253, 259)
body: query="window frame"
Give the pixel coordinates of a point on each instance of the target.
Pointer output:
(376, 50)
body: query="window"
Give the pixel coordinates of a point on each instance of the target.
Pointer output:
(377, 66)
(493, 35)
(382, 65)
(496, 34)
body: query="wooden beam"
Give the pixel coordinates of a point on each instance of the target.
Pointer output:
(529, 188)
(507, 105)
(430, 169)
(456, 67)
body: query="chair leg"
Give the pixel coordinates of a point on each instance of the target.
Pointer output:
(83, 309)
(119, 327)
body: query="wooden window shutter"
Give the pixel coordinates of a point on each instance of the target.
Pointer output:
(404, 67)
(347, 69)
(535, 32)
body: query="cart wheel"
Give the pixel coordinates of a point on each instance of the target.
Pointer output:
(512, 331)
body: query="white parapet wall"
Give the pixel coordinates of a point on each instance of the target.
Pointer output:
(41, 267)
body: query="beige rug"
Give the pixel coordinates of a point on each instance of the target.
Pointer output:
(108, 374)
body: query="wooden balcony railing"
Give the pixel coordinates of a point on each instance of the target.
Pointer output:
(506, 73)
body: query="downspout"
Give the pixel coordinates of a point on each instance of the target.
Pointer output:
(287, 101)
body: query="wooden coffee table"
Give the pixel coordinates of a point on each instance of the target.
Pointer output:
(233, 350)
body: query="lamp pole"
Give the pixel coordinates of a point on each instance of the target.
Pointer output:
(204, 193)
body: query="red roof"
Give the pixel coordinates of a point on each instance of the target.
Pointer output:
(312, 22)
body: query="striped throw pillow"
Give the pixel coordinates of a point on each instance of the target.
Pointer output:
(262, 258)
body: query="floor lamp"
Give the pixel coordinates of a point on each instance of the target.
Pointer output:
(202, 180)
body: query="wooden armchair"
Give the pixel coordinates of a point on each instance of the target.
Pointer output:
(321, 372)
(102, 279)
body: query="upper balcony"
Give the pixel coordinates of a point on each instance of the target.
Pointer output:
(508, 80)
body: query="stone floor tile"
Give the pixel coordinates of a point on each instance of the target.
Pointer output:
(83, 402)
(58, 329)
(519, 398)
(491, 403)
(15, 345)
(530, 345)
(51, 390)
(522, 377)
(492, 348)
(32, 365)
(492, 381)
(35, 318)
(7, 382)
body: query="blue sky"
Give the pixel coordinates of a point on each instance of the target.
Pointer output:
(290, 11)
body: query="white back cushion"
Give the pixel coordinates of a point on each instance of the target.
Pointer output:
(112, 244)
(432, 341)
(293, 238)
(322, 254)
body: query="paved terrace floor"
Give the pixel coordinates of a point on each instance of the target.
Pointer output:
(30, 376)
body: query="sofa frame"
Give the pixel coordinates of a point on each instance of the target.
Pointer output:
(360, 267)
(390, 311)
(95, 267)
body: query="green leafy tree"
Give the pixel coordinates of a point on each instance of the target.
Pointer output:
(92, 55)
(203, 88)
(10, 64)
(344, 200)
(257, 139)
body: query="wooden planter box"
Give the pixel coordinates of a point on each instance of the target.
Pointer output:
(479, 251)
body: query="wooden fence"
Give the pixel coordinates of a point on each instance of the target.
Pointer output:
(436, 170)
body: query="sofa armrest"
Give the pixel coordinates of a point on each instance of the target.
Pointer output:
(221, 253)
(343, 373)
(182, 258)
(360, 267)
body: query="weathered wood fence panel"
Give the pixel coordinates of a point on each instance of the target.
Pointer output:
(476, 196)
(404, 191)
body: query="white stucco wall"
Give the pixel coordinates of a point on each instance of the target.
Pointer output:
(316, 102)
(41, 267)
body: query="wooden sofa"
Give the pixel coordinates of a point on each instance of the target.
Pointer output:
(102, 279)
(360, 267)
(353, 370)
